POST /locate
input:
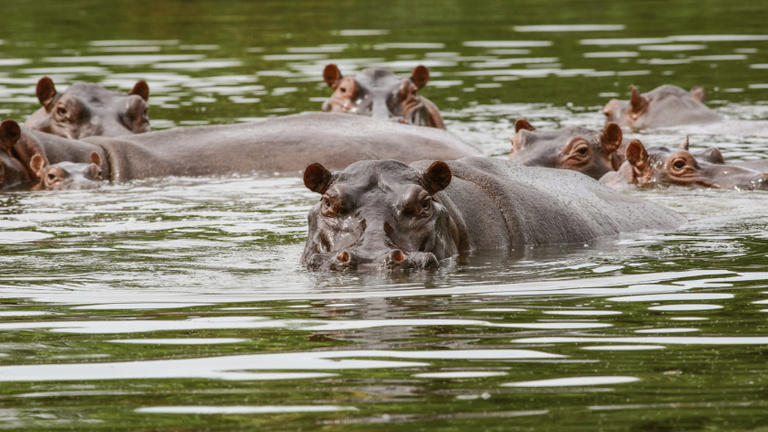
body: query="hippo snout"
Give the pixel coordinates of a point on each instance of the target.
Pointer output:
(759, 182)
(395, 259)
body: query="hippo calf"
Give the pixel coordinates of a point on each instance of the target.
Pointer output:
(385, 214)
(664, 106)
(67, 175)
(591, 152)
(383, 95)
(660, 167)
(84, 110)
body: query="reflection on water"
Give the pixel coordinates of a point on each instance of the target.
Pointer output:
(179, 303)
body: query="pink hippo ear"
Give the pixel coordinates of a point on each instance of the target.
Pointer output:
(699, 94)
(637, 156)
(10, 132)
(437, 177)
(611, 138)
(637, 102)
(685, 144)
(140, 89)
(522, 123)
(317, 178)
(332, 75)
(37, 164)
(95, 158)
(420, 76)
(46, 92)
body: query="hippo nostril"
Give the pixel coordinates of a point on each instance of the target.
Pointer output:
(343, 256)
(397, 256)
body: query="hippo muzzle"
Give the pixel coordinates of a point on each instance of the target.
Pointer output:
(394, 259)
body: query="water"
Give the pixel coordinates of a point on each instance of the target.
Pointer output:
(179, 304)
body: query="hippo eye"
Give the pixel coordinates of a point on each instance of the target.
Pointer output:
(582, 151)
(679, 164)
(51, 177)
(343, 89)
(61, 111)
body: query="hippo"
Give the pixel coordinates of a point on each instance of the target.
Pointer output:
(84, 110)
(67, 175)
(13, 172)
(580, 149)
(386, 215)
(664, 106)
(660, 166)
(24, 164)
(275, 146)
(381, 94)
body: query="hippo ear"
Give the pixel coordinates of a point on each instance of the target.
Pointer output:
(95, 158)
(636, 153)
(10, 132)
(699, 94)
(420, 76)
(713, 155)
(37, 163)
(637, 102)
(46, 92)
(611, 138)
(685, 144)
(437, 177)
(332, 75)
(317, 178)
(522, 123)
(141, 89)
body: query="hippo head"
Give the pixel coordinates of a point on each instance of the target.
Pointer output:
(86, 109)
(666, 105)
(660, 166)
(13, 172)
(378, 215)
(588, 151)
(67, 175)
(381, 94)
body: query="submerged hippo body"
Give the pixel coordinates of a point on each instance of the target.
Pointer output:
(663, 106)
(580, 149)
(385, 214)
(383, 95)
(84, 110)
(661, 167)
(282, 145)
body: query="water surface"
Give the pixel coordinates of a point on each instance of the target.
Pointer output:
(179, 304)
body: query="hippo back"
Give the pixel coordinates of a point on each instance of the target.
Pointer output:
(511, 205)
(282, 145)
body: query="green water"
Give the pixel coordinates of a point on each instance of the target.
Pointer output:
(179, 304)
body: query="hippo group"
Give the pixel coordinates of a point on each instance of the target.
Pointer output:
(397, 190)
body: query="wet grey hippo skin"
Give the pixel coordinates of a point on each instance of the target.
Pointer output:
(580, 149)
(282, 145)
(84, 110)
(386, 215)
(383, 95)
(663, 106)
(660, 167)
